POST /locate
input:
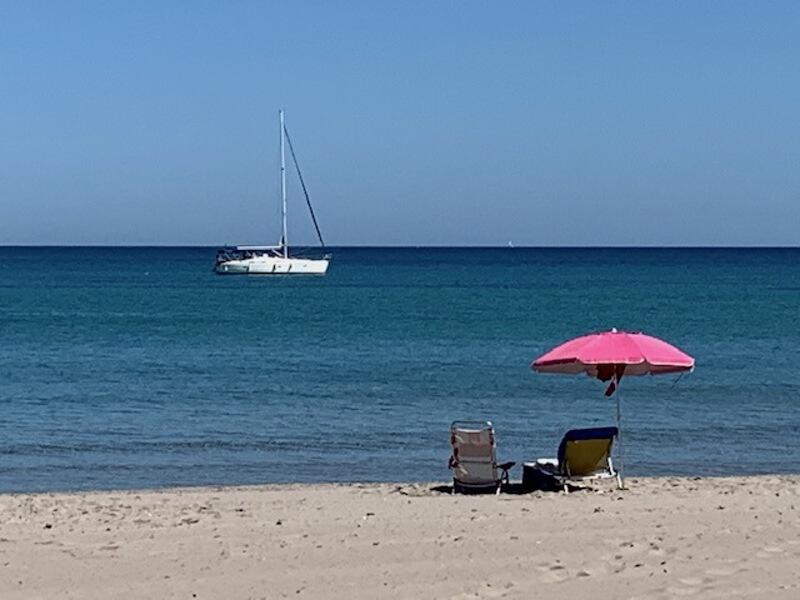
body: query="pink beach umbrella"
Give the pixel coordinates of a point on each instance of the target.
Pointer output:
(609, 356)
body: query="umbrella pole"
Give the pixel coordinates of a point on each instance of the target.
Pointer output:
(620, 482)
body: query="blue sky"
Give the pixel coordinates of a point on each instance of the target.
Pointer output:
(415, 123)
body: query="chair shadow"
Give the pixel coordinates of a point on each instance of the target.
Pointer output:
(512, 489)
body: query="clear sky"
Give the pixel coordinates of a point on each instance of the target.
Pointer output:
(652, 123)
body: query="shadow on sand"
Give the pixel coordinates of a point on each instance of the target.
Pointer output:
(514, 489)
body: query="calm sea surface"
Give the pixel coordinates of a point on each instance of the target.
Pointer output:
(128, 368)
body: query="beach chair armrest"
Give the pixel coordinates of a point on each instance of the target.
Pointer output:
(504, 467)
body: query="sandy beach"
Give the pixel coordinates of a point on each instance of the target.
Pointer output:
(661, 538)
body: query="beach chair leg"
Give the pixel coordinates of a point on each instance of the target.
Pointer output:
(620, 485)
(505, 480)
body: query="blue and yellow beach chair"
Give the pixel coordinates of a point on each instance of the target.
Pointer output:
(583, 455)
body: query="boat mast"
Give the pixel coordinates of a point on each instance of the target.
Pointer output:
(284, 239)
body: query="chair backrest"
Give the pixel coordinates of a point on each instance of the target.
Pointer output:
(586, 451)
(474, 458)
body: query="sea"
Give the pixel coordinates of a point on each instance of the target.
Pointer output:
(129, 368)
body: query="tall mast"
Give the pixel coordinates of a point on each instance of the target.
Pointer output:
(283, 190)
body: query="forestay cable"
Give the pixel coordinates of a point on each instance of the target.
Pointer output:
(303, 185)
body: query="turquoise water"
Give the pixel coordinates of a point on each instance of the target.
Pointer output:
(128, 368)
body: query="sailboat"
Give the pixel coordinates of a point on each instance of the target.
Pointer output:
(275, 260)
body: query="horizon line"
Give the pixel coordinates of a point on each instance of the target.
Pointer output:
(431, 246)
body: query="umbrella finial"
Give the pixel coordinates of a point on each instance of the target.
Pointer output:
(613, 330)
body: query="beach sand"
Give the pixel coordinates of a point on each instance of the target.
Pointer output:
(661, 538)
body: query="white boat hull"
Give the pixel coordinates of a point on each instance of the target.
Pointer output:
(273, 265)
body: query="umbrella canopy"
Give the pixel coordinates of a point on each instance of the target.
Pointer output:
(614, 353)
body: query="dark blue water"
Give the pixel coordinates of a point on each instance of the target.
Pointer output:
(127, 368)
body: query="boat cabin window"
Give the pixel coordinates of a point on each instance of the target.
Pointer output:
(227, 254)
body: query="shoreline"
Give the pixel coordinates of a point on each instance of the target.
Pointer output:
(663, 537)
(436, 488)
